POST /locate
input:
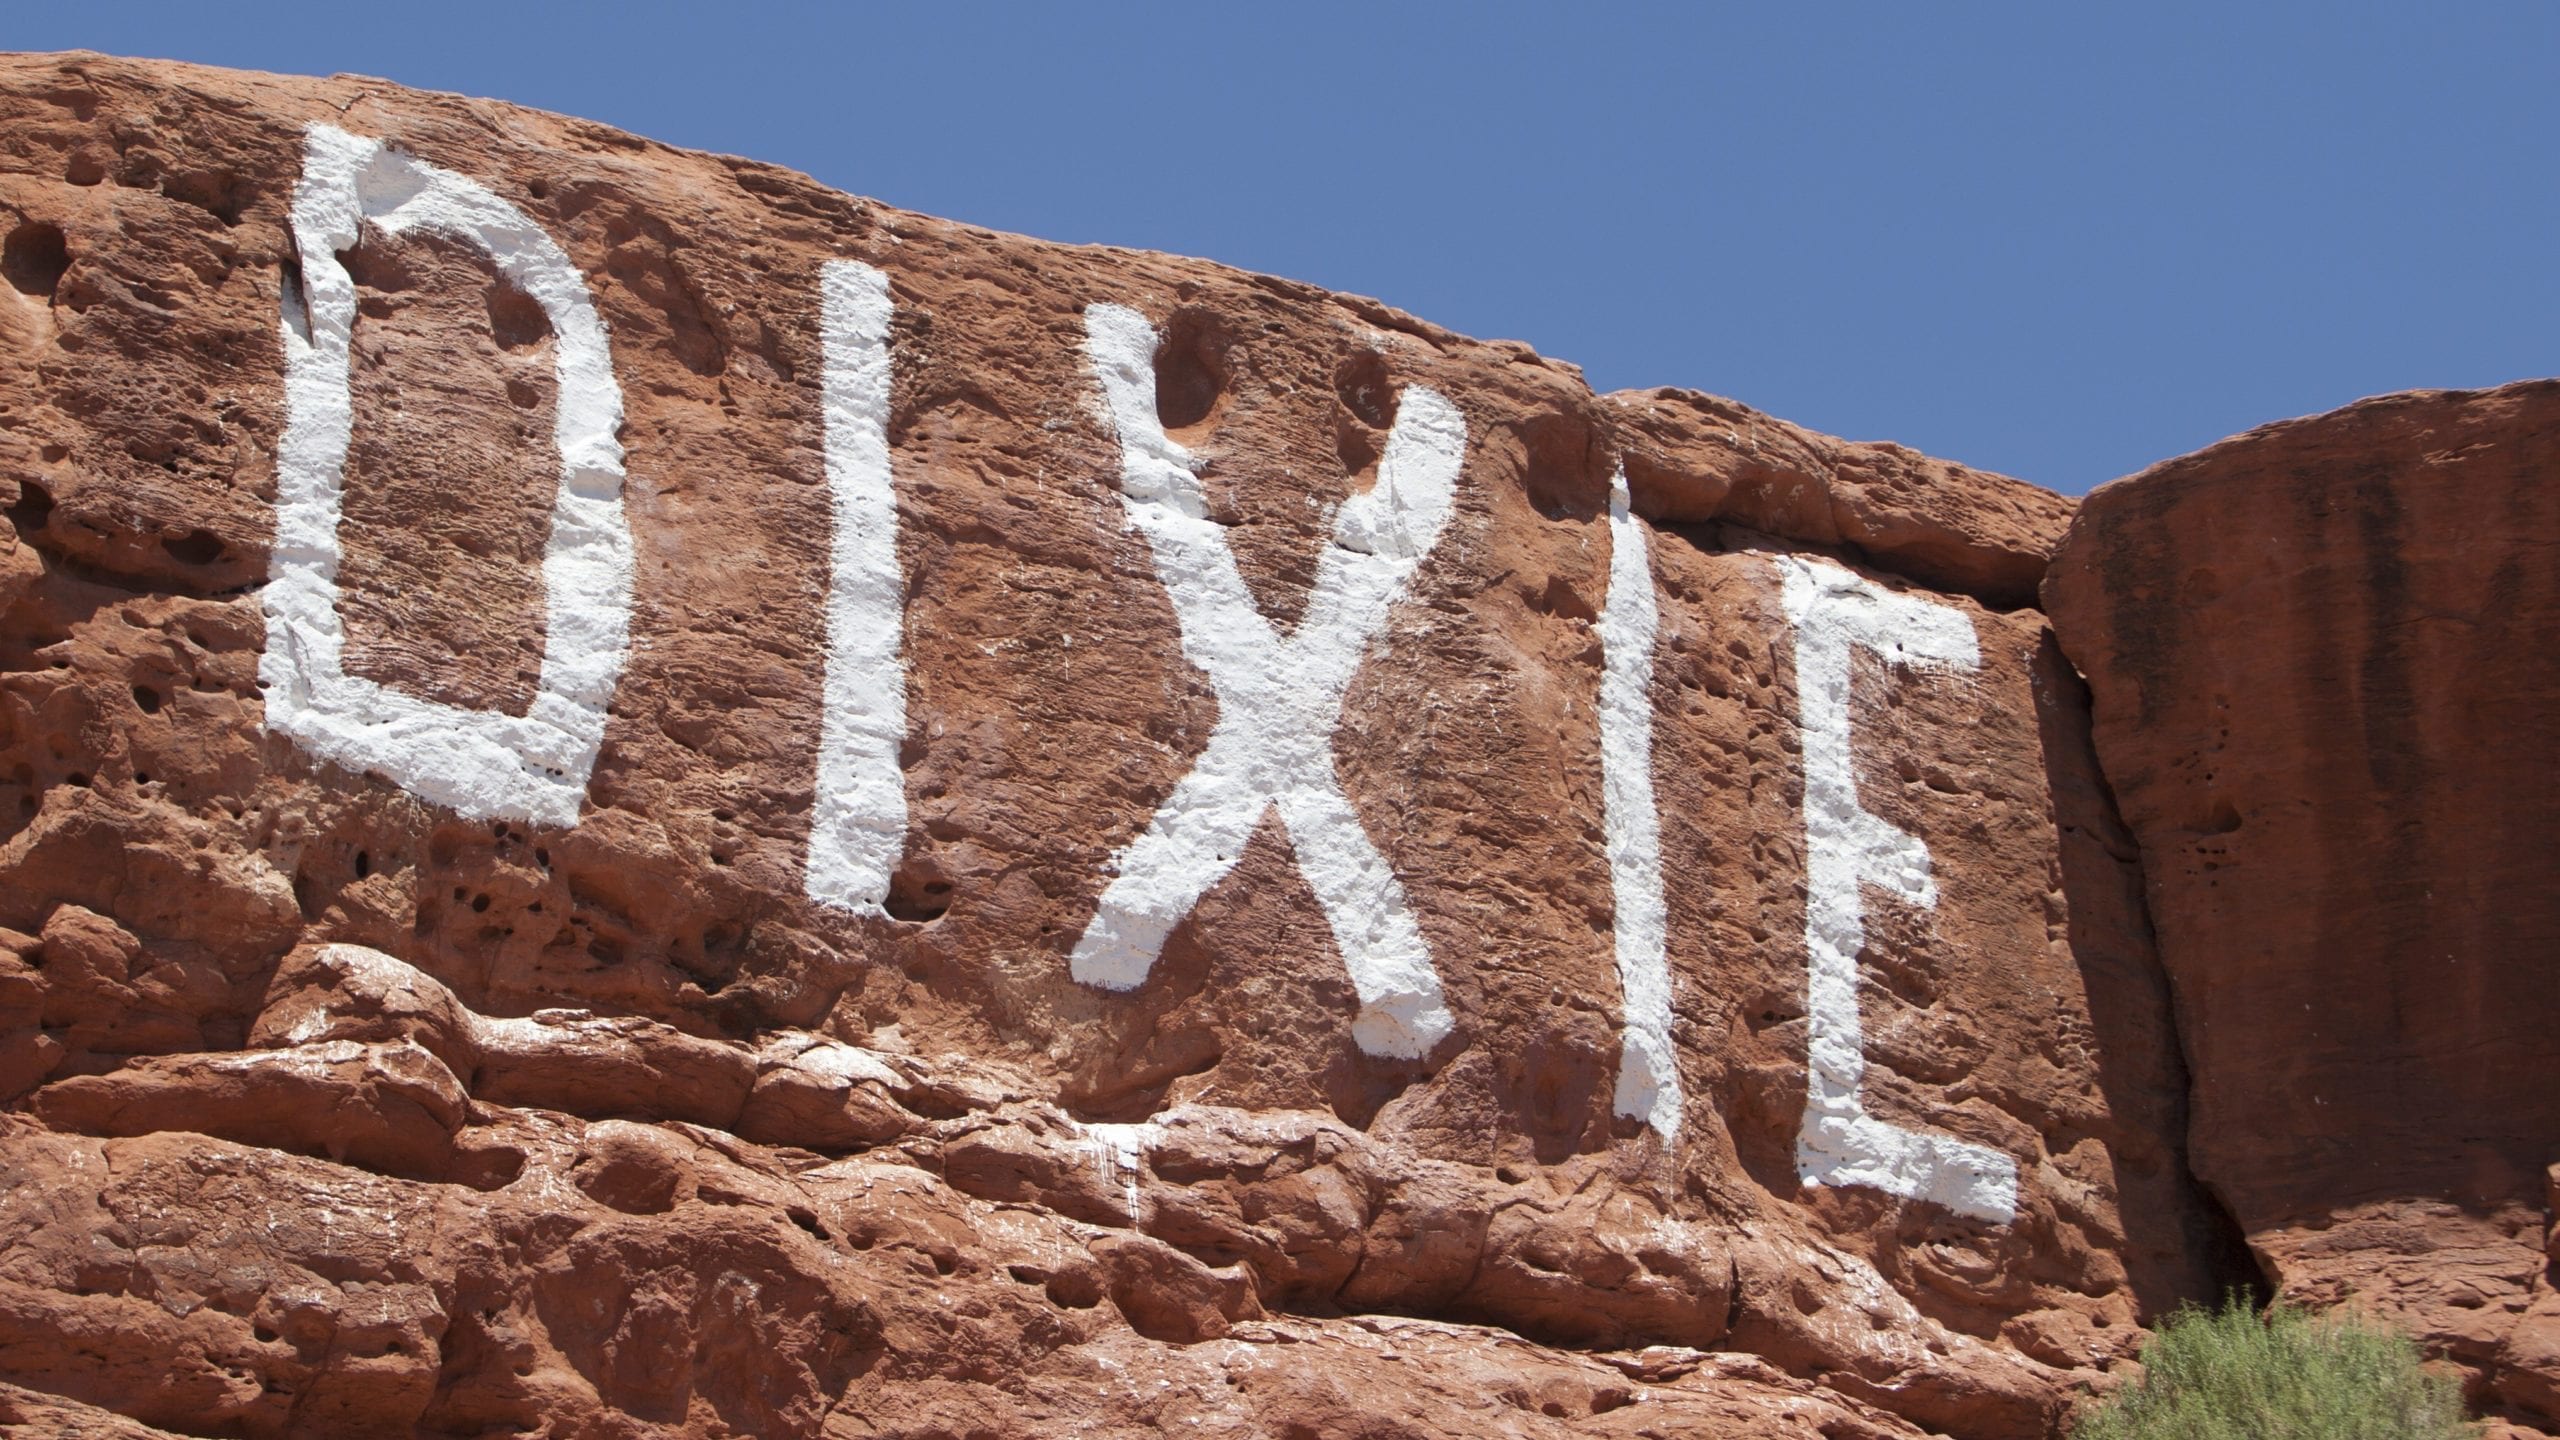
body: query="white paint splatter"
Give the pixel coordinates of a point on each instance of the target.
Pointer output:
(483, 764)
(1119, 1154)
(1846, 847)
(861, 819)
(313, 1061)
(1278, 700)
(1648, 1068)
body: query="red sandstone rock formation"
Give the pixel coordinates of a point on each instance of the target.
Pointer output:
(638, 798)
(2327, 694)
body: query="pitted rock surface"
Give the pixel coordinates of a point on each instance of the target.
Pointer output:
(348, 1095)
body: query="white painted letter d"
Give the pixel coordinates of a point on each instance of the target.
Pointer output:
(482, 763)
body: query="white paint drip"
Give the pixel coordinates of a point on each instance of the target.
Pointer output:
(1846, 846)
(1119, 1154)
(861, 819)
(1278, 700)
(1648, 1068)
(481, 763)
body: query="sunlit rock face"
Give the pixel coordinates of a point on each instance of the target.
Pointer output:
(2328, 696)
(642, 798)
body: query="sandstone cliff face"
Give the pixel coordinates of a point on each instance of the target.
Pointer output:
(638, 798)
(2328, 697)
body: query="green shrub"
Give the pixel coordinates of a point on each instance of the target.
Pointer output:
(2234, 1374)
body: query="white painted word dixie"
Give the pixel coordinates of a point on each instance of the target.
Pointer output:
(1279, 695)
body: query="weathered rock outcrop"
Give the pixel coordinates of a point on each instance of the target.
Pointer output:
(639, 798)
(2327, 692)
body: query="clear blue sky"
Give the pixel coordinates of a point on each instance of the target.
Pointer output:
(2046, 238)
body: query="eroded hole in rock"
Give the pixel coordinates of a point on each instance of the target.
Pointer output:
(1073, 1290)
(716, 960)
(516, 320)
(196, 547)
(84, 170)
(34, 258)
(147, 698)
(1366, 390)
(1193, 369)
(219, 193)
(34, 508)
(918, 893)
(1567, 475)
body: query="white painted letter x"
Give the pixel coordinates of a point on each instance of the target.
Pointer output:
(1278, 700)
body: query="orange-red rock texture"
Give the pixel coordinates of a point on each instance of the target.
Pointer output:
(2325, 657)
(328, 1108)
